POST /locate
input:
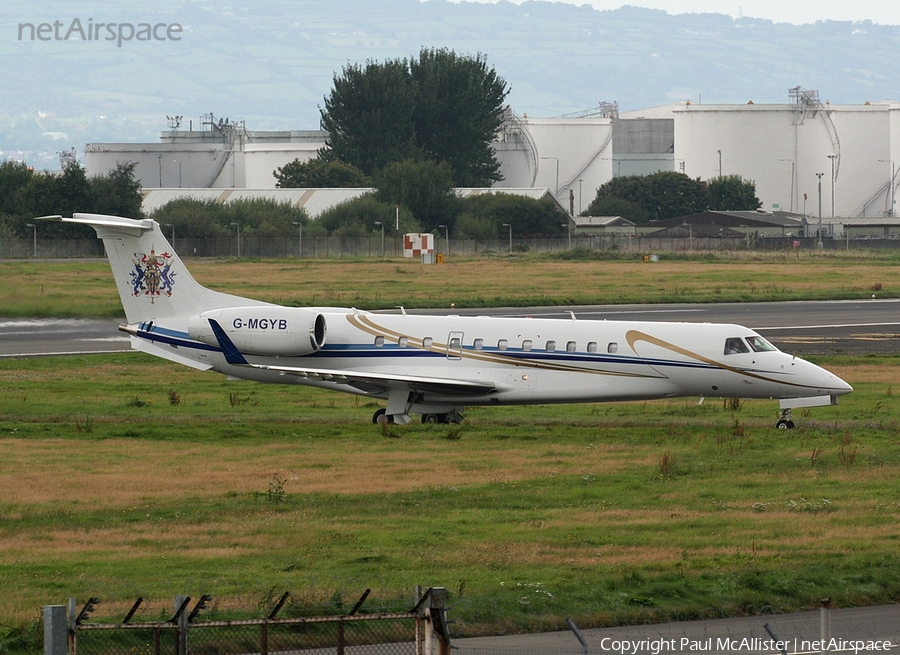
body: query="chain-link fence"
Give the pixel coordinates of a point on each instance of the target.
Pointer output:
(335, 246)
(382, 633)
(368, 634)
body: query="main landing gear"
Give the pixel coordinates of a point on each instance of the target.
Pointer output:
(381, 417)
(785, 422)
(449, 417)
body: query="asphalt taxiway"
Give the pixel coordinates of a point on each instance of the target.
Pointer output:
(854, 327)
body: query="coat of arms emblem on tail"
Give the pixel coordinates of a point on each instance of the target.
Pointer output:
(152, 275)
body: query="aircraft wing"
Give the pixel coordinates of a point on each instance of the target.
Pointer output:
(365, 381)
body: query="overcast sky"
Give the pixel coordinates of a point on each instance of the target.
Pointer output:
(885, 12)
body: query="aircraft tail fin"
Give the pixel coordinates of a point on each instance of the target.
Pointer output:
(152, 281)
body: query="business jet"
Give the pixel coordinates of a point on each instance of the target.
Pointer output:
(435, 366)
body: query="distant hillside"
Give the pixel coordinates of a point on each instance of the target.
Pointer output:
(271, 63)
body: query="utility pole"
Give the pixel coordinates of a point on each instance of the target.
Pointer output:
(34, 227)
(832, 158)
(299, 237)
(819, 244)
(447, 235)
(381, 225)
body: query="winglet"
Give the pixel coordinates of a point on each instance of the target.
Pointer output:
(231, 352)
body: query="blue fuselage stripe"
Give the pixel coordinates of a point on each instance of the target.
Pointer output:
(387, 352)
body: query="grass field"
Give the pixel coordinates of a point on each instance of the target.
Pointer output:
(126, 476)
(62, 289)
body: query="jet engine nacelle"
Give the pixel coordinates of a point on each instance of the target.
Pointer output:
(287, 331)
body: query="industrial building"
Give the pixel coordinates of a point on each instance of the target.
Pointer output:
(802, 155)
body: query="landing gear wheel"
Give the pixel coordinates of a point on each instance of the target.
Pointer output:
(785, 422)
(431, 418)
(454, 417)
(380, 417)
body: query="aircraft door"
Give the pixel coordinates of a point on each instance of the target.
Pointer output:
(454, 345)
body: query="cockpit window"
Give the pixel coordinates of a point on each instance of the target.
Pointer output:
(735, 345)
(760, 345)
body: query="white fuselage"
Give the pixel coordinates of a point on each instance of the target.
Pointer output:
(526, 360)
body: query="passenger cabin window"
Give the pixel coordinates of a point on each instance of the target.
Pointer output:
(454, 343)
(478, 344)
(502, 344)
(526, 345)
(570, 347)
(612, 347)
(735, 346)
(427, 341)
(379, 341)
(551, 346)
(760, 345)
(592, 346)
(403, 342)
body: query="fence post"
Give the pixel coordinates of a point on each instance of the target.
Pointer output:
(73, 612)
(181, 621)
(56, 630)
(825, 623)
(437, 636)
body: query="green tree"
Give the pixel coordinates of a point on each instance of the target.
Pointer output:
(318, 174)
(424, 187)
(14, 176)
(369, 116)
(459, 108)
(483, 215)
(208, 218)
(615, 206)
(442, 106)
(662, 195)
(117, 192)
(64, 194)
(732, 193)
(357, 217)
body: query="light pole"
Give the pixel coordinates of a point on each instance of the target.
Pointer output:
(579, 196)
(557, 173)
(892, 183)
(720, 162)
(381, 225)
(447, 236)
(238, 226)
(159, 161)
(510, 235)
(179, 171)
(819, 243)
(34, 227)
(832, 158)
(792, 181)
(299, 237)
(173, 233)
(568, 226)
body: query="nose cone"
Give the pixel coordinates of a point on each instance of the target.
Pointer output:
(824, 382)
